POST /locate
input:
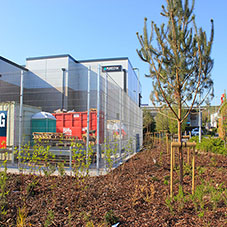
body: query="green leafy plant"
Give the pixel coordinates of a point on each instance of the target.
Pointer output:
(129, 146)
(110, 151)
(70, 219)
(154, 178)
(160, 157)
(79, 159)
(4, 192)
(90, 224)
(33, 157)
(210, 144)
(82, 159)
(49, 219)
(216, 195)
(110, 218)
(200, 170)
(225, 196)
(180, 199)
(40, 156)
(166, 180)
(206, 194)
(169, 204)
(61, 168)
(21, 217)
(49, 169)
(201, 213)
(30, 189)
(21, 154)
(85, 216)
(187, 169)
(197, 197)
(213, 161)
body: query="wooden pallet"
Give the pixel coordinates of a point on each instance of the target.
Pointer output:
(47, 135)
(60, 139)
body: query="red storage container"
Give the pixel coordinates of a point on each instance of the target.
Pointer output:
(75, 123)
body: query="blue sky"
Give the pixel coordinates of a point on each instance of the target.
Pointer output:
(88, 29)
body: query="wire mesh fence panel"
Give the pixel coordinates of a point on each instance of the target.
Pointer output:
(69, 110)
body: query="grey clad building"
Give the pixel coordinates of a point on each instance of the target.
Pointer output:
(50, 83)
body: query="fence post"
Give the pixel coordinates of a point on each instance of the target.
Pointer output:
(88, 110)
(135, 150)
(21, 113)
(13, 155)
(105, 118)
(70, 160)
(120, 118)
(63, 89)
(98, 118)
(128, 121)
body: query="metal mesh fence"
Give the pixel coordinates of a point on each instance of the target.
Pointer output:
(66, 111)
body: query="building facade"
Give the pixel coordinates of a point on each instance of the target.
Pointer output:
(110, 86)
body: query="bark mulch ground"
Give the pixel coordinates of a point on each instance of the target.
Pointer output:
(137, 193)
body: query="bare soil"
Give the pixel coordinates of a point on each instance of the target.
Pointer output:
(136, 192)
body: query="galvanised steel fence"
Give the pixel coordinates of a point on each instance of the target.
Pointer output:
(64, 114)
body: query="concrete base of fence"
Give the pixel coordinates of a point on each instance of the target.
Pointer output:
(68, 172)
(13, 169)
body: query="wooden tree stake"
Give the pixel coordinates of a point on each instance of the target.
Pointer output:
(188, 155)
(193, 171)
(171, 172)
(172, 163)
(167, 143)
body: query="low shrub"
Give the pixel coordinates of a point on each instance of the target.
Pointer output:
(210, 144)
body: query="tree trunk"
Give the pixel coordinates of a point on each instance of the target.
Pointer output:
(180, 148)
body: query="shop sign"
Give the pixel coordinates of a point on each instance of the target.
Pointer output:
(112, 68)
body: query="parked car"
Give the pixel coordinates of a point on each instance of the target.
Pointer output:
(195, 132)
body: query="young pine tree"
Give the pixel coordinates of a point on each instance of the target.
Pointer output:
(180, 62)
